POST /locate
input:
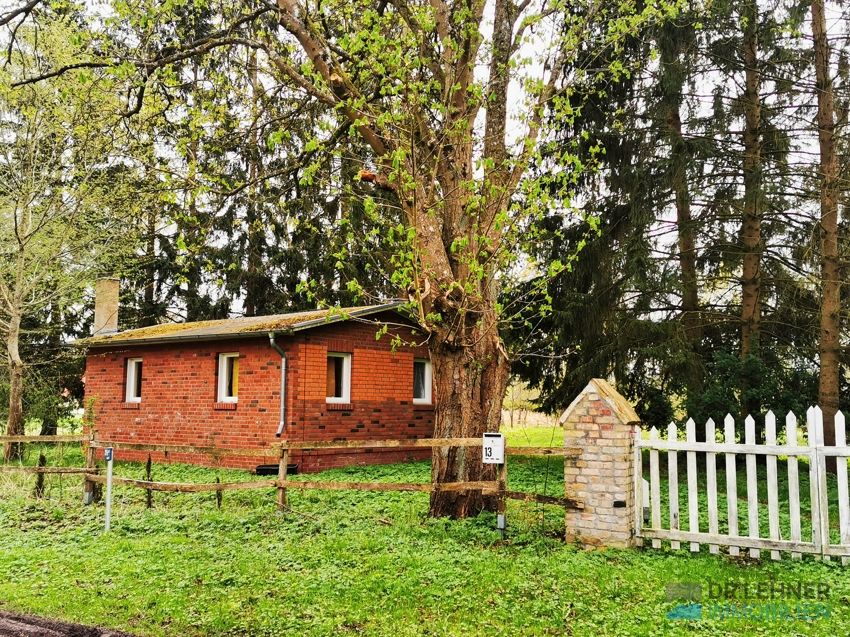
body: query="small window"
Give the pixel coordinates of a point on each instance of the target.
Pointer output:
(339, 378)
(133, 390)
(422, 382)
(228, 378)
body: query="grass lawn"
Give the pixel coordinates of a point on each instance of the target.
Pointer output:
(353, 563)
(549, 436)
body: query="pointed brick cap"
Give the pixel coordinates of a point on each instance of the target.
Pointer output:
(620, 407)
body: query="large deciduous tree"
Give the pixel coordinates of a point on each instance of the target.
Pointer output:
(428, 87)
(58, 193)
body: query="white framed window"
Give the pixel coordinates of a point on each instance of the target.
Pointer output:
(228, 377)
(133, 388)
(421, 382)
(339, 378)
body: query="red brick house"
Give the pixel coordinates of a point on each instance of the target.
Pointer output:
(250, 382)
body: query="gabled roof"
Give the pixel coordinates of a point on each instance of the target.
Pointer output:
(243, 327)
(621, 407)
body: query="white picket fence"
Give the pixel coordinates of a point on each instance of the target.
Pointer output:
(722, 528)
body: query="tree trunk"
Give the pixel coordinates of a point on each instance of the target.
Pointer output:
(150, 315)
(828, 345)
(49, 427)
(50, 420)
(190, 228)
(15, 422)
(751, 221)
(469, 385)
(673, 46)
(691, 319)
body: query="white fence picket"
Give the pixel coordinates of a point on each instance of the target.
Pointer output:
(814, 480)
(793, 482)
(711, 484)
(772, 485)
(693, 488)
(823, 493)
(841, 479)
(654, 488)
(673, 483)
(731, 482)
(752, 485)
(638, 486)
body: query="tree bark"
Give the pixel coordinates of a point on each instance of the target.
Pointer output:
(195, 310)
(50, 420)
(469, 384)
(691, 318)
(751, 219)
(15, 421)
(672, 50)
(828, 344)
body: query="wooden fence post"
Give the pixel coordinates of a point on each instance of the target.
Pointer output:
(149, 478)
(282, 468)
(88, 485)
(39, 477)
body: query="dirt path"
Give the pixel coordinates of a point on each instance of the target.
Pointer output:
(12, 625)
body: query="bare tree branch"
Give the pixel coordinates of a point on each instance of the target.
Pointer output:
(24, 10)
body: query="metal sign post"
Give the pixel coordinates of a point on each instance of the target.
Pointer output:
(493, 452)
(107, 454)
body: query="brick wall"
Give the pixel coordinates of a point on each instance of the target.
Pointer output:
(381, 396)
(602, 423)
(179, 389)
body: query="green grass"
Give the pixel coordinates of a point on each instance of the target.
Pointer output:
(350, 563)
(534, 436)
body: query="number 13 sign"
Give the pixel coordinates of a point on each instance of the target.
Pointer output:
(493, 448)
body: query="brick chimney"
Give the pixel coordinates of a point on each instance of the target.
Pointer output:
(105, 306)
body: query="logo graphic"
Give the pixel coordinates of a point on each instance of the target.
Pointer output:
(757, 600)
(684, 591)
(685, 611)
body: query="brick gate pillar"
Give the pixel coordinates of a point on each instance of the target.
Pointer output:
(602, 423)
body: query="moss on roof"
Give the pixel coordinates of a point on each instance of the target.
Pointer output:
(235, 327)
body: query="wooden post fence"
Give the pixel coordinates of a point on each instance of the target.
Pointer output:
(283, 483)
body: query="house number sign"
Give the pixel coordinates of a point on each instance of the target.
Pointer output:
(493, 448)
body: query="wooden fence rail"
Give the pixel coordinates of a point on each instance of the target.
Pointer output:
(36, 469)
(311, 445)
(40, 470)
(45, 439)
(185, 487)
(487, 487)
(215, 452)
(274, 449)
